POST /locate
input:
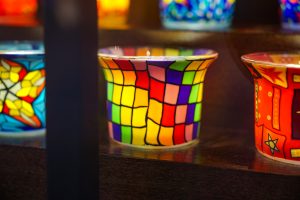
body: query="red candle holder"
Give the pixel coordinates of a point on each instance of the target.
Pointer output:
(277, 104)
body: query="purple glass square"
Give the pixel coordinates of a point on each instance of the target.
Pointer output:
(164, 64)
(109, 110)
(190, 113)
(117, 132)
(174, 76)
(195, 129)
(184, 94)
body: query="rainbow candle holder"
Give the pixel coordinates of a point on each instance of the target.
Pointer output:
(22, 89)
(197, 14)
(277, 104)
(154, 101)
(290, 14)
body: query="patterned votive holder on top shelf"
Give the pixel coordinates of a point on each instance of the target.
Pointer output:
(197, 14)
(277, 104)
(113, 13)
(22, 89)
(154, 101)
(290, 14)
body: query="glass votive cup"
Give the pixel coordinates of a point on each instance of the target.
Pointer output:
(154, 101)
(197, 15)
(113, 14)
(290, 14)
(22, 89)
(276, 104)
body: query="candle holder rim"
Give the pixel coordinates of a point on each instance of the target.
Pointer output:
(247, 58)
(22, 52)
(212, 55)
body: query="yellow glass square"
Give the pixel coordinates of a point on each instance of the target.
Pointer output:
(166, 135)
(155, 111)
(141, 98)
(152, 132)
(126, 115)
(172, 52)
(138, 136)
(139, 117)
(200, 93)
(129, 77)
(108, 75)
(118, 76)
(194, 66)
(102, 63)
(199, 77)
(117, 91)
(128, 96)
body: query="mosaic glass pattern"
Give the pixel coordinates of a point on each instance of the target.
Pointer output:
(277, 104)
(154, 100)
(290, 13)
(22, 92)
(197, 14)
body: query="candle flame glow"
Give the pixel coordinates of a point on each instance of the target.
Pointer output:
(148, 53)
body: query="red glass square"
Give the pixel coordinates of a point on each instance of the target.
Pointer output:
(142, 79)
(168, 117)
(124, 64)
(179, 134)
(157, 90)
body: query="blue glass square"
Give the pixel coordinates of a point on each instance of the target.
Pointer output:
(184, 94)
(117, 132)
(174, 76)
(190, 113)
(109, 110)
(196, 127)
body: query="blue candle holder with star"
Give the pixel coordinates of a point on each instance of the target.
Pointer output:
(197, 14)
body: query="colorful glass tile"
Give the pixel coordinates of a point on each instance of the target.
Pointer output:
(290, 14)
(154, 102)
(197, 14)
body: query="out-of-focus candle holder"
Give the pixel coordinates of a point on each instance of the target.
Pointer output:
(197, 14)
(113, 14)
(290, 14)
(154, 101)
(18, 12)
(277, 104)
(22, 89)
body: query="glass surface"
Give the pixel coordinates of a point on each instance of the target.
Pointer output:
(154, 95)
(276, 104)
(22, 89)
(290, 14)
(197, 14)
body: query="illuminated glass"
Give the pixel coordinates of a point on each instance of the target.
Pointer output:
(277, 104)
(197, 14)
(154, 101)
(290, 14)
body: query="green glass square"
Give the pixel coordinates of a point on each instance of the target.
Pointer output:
(188, 78)
(110, 88)
(197, 115)
(180, 65)
(116, 114)
(186, 52)
(194, 94)
(126, 134)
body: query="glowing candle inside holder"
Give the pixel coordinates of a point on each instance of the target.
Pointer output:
(113, 14)
(277, 104)
(154, 95)
(22, 89)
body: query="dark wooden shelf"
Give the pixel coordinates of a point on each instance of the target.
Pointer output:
(224, 164)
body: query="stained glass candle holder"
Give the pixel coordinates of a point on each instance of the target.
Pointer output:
(22, 89)
(113, 14)
(154, 101)
(197, 14)
(290, 14)
(277, 104)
